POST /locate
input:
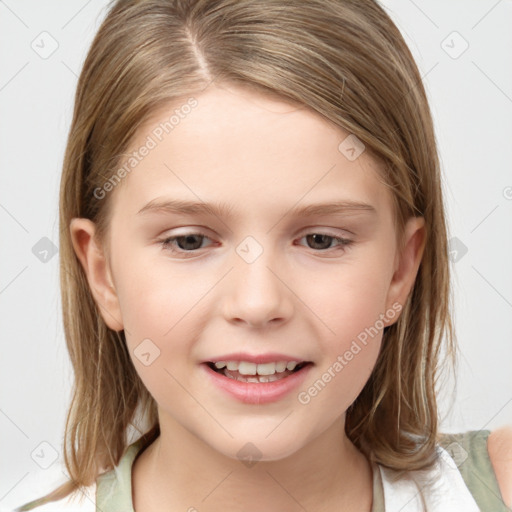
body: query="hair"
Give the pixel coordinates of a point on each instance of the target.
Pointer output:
(344, 59)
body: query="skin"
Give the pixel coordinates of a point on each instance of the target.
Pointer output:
(499, 446)
(262, 157)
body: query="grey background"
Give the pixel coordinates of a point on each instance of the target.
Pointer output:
(471, 99)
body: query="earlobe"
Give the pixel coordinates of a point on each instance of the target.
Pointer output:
(97, 270)
(407, 262)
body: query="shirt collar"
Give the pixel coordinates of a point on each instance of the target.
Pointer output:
(114, 488)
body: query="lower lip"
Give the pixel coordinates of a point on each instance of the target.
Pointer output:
(254, 392)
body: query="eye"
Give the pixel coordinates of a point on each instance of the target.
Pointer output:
(189, 242)
(192, 242)
(323, 241)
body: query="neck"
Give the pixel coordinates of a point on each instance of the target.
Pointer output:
(179, 471)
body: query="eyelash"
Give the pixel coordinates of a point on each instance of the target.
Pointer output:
(167, 243)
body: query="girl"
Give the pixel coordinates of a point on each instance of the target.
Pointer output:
(254, 268)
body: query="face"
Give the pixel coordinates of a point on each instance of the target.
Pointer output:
(263, 275)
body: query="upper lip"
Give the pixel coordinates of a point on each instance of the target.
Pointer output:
(269, 357)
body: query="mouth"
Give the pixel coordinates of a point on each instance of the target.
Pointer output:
(244, 371)
(256, 378)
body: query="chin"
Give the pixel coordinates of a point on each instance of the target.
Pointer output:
(251, 449)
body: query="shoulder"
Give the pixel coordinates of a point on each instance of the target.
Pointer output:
(484, 459)
(499, 446)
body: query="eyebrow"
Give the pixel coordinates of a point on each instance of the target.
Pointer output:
(178, 206)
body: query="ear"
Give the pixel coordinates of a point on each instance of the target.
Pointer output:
(407, 262)
(96, 267)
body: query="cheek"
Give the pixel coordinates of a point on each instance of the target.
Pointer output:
(349, 297)
(349, 351)
(160, 306)
(155, 294)
(351, 303)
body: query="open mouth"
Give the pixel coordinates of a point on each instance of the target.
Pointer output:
(257, 373)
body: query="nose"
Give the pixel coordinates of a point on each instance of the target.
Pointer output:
(257, 293)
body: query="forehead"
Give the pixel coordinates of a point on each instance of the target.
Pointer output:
(254, 151)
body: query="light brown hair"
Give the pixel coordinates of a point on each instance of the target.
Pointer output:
(344, 59)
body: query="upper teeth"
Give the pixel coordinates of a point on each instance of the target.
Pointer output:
(246, 368)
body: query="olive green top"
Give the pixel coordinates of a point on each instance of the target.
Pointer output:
(468, 450)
